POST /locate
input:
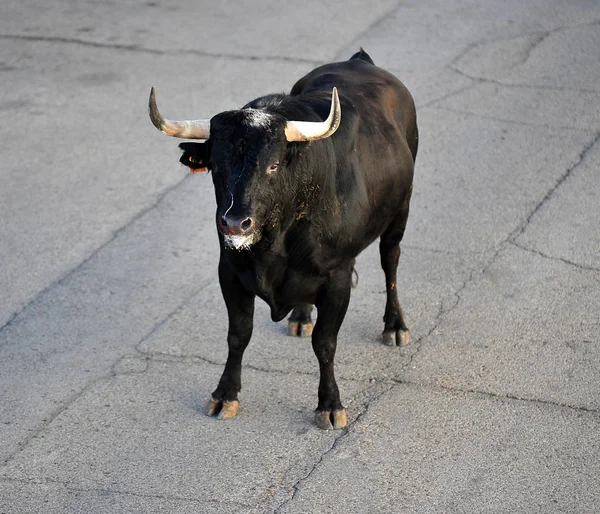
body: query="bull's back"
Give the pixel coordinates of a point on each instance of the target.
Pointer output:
(375, 144)
(370, 92)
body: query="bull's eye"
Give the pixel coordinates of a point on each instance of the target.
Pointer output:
(273, 167)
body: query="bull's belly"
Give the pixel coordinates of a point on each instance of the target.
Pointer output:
(298, 290)
(295, 288)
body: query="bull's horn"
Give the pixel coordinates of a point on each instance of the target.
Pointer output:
(187, 129)
(314, 130)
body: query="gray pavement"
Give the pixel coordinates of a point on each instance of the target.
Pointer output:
(112, 327)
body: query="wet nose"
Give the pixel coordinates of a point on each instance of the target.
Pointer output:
(235, 226)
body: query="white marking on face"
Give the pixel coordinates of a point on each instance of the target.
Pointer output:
(241, 242)
(230, 205)
(258, 117)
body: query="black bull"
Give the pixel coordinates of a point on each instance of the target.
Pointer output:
(293, 216)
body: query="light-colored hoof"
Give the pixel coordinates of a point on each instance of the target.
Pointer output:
(339, 419)
(395, 338)
(296, 328)
(402, 337)
(213, 407)
(293, 328)
(229, 410)
(222, 410)
(306, 329)
(328, 420)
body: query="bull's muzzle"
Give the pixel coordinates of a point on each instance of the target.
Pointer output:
(238, 232)
(236, 226)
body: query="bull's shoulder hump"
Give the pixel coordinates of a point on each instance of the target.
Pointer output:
(347, 76)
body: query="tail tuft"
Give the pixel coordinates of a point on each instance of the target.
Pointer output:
(363, 56)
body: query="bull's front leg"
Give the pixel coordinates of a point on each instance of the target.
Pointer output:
(332, 304)
(240, 309)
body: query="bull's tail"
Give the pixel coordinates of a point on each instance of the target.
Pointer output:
(362, 55)
(354, 278)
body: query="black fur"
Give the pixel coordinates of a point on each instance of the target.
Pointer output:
(362, 55)
(325, 203)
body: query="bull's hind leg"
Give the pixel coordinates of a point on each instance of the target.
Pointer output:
(300, 323)
(395, 332)
(332, 304)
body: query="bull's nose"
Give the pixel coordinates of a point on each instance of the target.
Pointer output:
(237, 226)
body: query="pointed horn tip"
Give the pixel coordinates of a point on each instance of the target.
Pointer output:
(155, 116)
(185, 129)
(336, 109)
(152, 100)
(308, 131)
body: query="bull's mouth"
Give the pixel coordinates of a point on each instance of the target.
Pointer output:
(241, 242)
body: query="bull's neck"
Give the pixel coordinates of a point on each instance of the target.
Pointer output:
(319, 194)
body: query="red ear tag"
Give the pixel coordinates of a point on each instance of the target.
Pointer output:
(198, 170)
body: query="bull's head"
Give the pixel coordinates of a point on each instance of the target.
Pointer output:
(247, 151)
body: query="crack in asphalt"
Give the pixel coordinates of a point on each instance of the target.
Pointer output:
(340, 53)
(202, 501)
(96, 251)
(542, 86)
(451, 94)
(295, 488)
(509, 239)
(520, 229)
(439, 319)
(453, 253)
(537, 35)
(581, 267)
(538, 38)
(103, 378)
(533, 87)
(373, 382)
(537, 41)
(160, 324)
(53, 415)
(198, 359)
(154, 51)
(114, 371)
(509, 121)
(514, 235)
(190, 359)
(500, 396)
(78, 489)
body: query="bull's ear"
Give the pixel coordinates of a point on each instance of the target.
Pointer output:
(195, 156)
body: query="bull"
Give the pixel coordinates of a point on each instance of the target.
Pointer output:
(301, 190)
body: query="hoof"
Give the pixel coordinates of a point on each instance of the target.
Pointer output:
(221, 409)
(395, 338)
(330, 420)
(301, 329)
(306, 329)
(293, 328)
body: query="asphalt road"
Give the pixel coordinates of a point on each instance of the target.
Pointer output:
(112, 327)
